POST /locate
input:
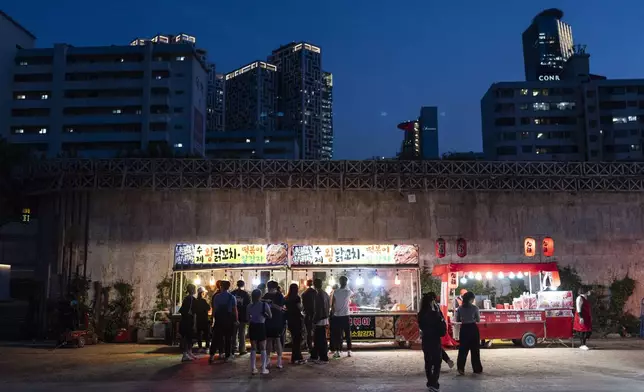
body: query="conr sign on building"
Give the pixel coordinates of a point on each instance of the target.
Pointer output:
(548, 78)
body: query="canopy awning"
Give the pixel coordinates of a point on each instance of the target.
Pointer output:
(442, 269)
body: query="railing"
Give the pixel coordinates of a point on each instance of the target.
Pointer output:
(177, 174)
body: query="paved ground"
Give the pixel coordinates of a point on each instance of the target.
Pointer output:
(614, 366)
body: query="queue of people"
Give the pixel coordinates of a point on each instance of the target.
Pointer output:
(264, 318)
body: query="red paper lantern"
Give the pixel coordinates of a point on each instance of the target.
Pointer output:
(548, 247)
(461, 247)
(529, 247)
(441, 248)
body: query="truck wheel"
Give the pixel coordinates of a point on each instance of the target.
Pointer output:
(529, 340)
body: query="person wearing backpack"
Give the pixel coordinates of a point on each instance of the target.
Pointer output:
(433, 327)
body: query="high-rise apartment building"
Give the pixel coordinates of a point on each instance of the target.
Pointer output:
(250, 97)
(109, 100)
(327, 116)
(299, 95)
(547, 45)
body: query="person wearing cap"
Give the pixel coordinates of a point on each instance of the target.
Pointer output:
(243, 300)
(308, 307)
(202, 308)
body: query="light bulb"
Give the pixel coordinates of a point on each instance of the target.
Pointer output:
(256, 281)
(212, 280)
(520, 275)
(463, 280)
(511, 275)
(331, 280)
(397, 280)
(501, 276)
(376, 281)
(488, 275)
(359, 281)
(470, 275)
(197, 280)
(241, 276)
(479, 276)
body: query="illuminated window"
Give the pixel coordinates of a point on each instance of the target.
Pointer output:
(21, 96)
(247, 140)
(525, 135)
(181, 58)
(524, 91)
(24, 63)
(19, 130)
(178, 145)
(44, 96)
(620, 120)
(540, 135)
(267, 140)
(541, 106)
(116, 111)
(42, 131)
(535, 93)
(632, 118)
(70, 130)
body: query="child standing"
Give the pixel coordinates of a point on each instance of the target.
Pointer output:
(256, 314)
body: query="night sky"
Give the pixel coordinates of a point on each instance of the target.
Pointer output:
(388, 57)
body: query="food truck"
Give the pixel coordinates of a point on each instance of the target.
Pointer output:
(205, 264)
(525, 320)
(385, 280)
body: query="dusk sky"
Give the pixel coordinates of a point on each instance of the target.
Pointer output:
(388, 57)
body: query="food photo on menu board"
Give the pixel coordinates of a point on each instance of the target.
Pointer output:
(354, 254)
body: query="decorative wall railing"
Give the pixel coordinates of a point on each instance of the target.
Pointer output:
(177, 174)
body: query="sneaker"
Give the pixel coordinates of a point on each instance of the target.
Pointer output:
(186, 358)
(254, 371)
(432, 389)
(280, 366)
(265, 371)
(301, 362)
(349, 353)
(450, 363)
(461, 372)
(336, 355)
(584, 347)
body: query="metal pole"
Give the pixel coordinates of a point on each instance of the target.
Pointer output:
(87, 200)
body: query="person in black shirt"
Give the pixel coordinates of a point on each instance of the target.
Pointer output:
(308, 305)
(243, 300)
(295, 322)
(433, 327)
(201, 309)
(274, 325)
(187, 323)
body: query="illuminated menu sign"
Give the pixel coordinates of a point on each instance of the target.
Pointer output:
(354, 254)
(230, 254)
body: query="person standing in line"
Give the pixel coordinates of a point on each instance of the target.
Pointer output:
(201, 309)
(340, 300)
(308, 306)
(256, 314)
(470, 338)
(243, 300)
(274, 325)
(224, 309)
(583, 323)
(283, 337)
(216, 342)
(295, 323)
(433, 327)
(321, 321)
(458, 301)
(187, 323)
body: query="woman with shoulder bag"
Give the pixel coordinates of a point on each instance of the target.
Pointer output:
(187, 324)
(295, 322)
(433, 328)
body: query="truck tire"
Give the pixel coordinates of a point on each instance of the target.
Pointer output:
(529, 340)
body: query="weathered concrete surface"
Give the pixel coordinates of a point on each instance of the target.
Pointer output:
(133, 233)
(614, 367)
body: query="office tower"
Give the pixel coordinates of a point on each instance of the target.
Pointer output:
(547, 44)
(421, 135)
(299, 95)
(250, 97)
(110, 100)
(587, 118)
(327, 116)
(219, 107)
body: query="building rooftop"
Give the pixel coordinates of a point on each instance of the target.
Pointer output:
(18, 25)
(551, 13)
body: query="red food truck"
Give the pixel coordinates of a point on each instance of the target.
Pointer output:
(546, 315)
